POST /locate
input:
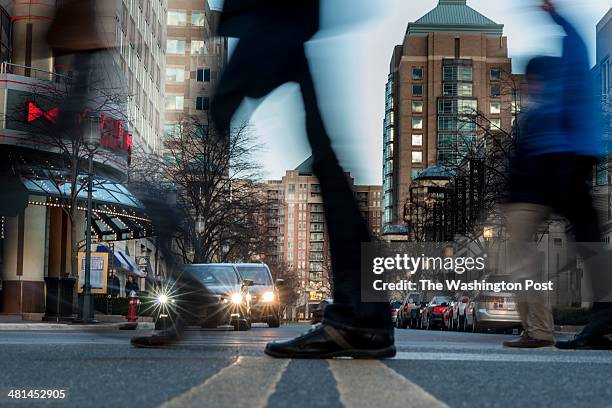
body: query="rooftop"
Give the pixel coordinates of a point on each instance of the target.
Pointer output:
(454, 16)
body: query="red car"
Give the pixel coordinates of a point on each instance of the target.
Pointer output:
(434, 313)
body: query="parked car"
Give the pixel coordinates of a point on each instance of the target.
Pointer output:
(394, 305)
(265, 300)
(409, 312)
(459, 311)
(317, 313)
(433, 314)
(447, 321)
(208, 295)
(492, 310)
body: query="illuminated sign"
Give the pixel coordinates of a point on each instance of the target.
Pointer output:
(34, 112)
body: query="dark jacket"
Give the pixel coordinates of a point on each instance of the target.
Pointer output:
(565, 117)
(297, 20)
(114, 286)
(270, 51)
(131, 286)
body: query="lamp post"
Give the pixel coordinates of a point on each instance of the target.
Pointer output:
(91, 139)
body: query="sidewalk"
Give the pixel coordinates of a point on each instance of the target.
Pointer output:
(34, 322)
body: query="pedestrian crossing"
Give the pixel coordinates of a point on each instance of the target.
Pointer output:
(251, 381)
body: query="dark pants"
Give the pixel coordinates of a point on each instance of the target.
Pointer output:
(562, 183)
(346, 227)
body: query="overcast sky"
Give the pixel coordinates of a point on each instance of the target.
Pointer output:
(350, 60)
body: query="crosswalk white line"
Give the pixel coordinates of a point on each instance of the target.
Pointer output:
(510, 356)
(248, 382)
(371, 383)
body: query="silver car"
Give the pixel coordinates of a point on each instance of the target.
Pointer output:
(265, 297)
(492, 310)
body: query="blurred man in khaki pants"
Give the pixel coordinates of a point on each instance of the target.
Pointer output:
(557, 147)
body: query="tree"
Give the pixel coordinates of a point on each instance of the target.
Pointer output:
(214, 178)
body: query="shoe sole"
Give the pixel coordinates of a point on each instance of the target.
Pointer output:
(529, 347)
(598, 348)
(160, 346)
(387, 352)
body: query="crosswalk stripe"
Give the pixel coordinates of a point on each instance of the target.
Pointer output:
(372, 384)
(511, 356)
(248, 382)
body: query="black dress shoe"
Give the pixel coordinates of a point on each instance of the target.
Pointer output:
(326, 341)
(585, 342)
(528, 342)
(161, 340)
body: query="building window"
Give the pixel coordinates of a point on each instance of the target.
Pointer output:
(417, 90)
(202, 103)
(496, 74)
(177, 18)
(203, 75)
(175, 74)
(197, 47)
(461, 89)
(175, 102)
(175, 47)
(457, 73)
(495, 108)
(417, 157)
(198, 19)
(417, 73)
(495, 90)
(172, 130)
(417, 140)
(417, 123)
(496, 123)
(417, 106)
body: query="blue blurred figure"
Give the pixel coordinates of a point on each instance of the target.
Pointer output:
(558, 145)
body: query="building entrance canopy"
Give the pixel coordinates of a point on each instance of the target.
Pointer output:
(117, 214)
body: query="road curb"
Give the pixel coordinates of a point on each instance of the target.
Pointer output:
(69, 327)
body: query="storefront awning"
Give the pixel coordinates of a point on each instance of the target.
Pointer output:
(117, 213)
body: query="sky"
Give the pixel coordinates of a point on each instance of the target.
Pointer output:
(350, 56)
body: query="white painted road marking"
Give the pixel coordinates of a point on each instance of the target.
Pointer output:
(547, 357)
(248, 382)
(370, 383)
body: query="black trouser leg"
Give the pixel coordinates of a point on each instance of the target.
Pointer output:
(345, 225)
(581, 213)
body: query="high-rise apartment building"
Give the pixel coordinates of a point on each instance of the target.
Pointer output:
(452, 65)
(296, 227)
(194, 59)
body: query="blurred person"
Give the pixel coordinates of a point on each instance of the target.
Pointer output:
(78, 32)
(114, 285)
(270, 53)
(131, 285)
(557, 147)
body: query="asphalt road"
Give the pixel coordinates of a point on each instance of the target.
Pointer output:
(222, 368)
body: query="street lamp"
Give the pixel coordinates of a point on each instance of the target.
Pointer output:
(200, 224)
(91, 139)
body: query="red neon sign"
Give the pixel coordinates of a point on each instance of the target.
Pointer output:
(34, 112)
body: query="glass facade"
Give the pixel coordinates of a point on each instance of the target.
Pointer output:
(456, 112)
(388, 135)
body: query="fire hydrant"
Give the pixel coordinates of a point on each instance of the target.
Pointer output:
(133, 305)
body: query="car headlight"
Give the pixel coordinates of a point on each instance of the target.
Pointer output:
(237, 298)
(162, 299)
(268, 297)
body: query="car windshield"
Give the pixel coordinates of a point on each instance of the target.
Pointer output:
(395, 304)
(215, 274)
(258, 274)
(439, 300)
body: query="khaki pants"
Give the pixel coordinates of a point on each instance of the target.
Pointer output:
(523, 221)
